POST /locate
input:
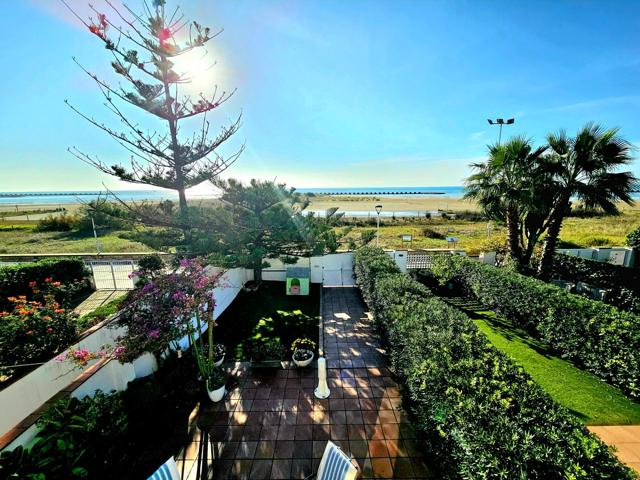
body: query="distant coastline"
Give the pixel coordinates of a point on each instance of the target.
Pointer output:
(74, 197)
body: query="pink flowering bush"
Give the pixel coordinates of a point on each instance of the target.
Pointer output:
(81, 357)
(163, 310)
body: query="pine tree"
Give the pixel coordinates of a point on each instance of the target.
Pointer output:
(144, 48)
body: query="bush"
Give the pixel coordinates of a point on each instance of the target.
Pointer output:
(597, 337)
(33, 331)
(622, 283)
(15, 279)
(633, 238)
(431, 233)
(106, 216)
(123, 435)
(478, 414)
(58, 223)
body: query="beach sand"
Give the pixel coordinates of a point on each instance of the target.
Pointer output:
(392, 203)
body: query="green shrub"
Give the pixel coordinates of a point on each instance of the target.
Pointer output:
(32, 332)
(15, 279)
(106, 216)
(478, 415)
(597, 337)
(124, 435)
(431, 233)
(622, 283)
(633, 238)
(57, 223)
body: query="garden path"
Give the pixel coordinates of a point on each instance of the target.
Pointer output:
(97, 299)
(272, 427)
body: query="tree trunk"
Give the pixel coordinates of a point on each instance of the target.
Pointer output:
(513, 234)
(551, 240)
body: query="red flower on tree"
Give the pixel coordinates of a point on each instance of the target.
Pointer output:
(99, 29)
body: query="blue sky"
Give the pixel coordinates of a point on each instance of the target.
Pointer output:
(334, 92)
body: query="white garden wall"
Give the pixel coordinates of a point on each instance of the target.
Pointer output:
(26, 395)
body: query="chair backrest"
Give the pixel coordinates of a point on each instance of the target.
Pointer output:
(336, 465)
(167, 471)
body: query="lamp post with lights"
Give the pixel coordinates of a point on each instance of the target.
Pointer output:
(501, 122)
(378, 210)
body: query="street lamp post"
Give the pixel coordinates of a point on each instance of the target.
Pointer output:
(378, 210)
(501, 122)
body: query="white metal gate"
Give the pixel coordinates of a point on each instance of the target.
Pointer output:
(337, 277)
(112, 274)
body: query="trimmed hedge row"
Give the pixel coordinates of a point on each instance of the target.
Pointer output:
(15, 279)
(623, 283)
(479, 415)
(597, 337)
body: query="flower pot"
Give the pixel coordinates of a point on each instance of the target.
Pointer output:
(216, 395)
(219, 362)
(303, 363)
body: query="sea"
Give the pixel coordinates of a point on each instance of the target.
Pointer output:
(61, 197)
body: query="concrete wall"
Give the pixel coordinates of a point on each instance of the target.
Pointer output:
(26, 395)
(334, 269)
(623, 256)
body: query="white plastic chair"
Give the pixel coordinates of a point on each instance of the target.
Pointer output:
(336, 465)
(167, 471)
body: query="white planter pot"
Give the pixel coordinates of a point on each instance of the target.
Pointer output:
(219, 362)
(303, 363)
(216, 395)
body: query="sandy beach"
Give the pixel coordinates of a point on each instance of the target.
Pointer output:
(392, 203)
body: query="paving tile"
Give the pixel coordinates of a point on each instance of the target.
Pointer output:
(378, 448)
(301, 468)
(261, 469)
(241, 469)
(265, 449)
(382, 468)
(281, 470)
(284, 449)
(303, 449)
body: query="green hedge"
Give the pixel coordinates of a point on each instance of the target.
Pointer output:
(597, 337)
(15, 279)
(623, 283)
(479, 415)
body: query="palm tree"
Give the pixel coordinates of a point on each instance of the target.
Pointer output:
(505, 187)
(586, 167)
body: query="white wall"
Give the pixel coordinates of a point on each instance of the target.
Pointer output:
(26, 395)
(331, 269)
(616, 255)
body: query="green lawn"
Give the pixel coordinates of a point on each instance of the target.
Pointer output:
(23, 240)
(237, 322)
(589, 398)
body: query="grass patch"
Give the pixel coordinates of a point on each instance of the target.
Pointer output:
(590, 399)
(238, 322)
(25, 240)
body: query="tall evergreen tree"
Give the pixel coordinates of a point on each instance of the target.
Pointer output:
(145, 48)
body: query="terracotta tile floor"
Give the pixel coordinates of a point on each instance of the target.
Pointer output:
(272, 427)
(626, 439)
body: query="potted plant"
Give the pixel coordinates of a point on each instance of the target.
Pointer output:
(266, 352)
(303, 349)
(215, 384)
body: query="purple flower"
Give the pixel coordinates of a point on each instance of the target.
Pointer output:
(154, 333)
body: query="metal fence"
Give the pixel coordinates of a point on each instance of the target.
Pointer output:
(112, 274)
(417, 261)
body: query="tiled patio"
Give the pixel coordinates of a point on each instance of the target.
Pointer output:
(271, 426)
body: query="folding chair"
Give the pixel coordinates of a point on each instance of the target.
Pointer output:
(336, 465)
(167, 471)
